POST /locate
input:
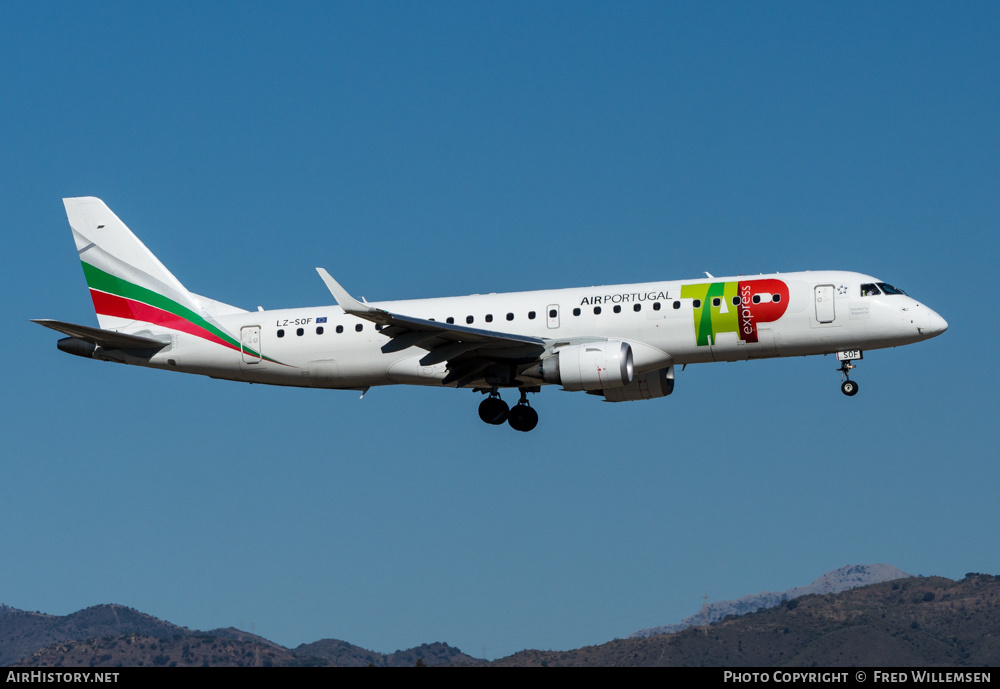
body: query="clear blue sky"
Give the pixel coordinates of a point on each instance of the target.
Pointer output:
(430, 149)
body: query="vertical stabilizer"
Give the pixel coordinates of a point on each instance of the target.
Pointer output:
(129, 285)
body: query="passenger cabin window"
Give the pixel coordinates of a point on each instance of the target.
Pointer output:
(677, 305)
(656, 306)
(319, 329)
(553, 313)
(340, 329)
(637, 307)
(281, 333)
(531, 315)
(300, 332)
(617, 309)
(489, 318)
(696, 303)
(597, 310)
(576, 312)
(469, 319)
(359, 327)
(510, 316)
(449, 320)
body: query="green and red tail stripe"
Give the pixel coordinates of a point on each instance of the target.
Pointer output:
(120, 298)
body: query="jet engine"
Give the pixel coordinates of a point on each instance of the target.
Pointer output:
(591, 366)
(646, 386)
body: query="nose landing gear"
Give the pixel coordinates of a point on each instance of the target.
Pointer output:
(848, 386)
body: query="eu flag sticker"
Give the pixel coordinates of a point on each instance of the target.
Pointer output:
(322, 319)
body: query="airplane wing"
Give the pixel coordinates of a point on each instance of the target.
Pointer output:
(109, 339)
(468, 351)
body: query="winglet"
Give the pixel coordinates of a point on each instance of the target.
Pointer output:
(348, 303)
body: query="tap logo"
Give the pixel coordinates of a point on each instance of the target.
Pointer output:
(735, 307)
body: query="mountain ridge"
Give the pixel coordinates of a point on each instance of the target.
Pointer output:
(834, 581)
(912, 621)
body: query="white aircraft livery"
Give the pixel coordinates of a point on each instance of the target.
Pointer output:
(621, 342)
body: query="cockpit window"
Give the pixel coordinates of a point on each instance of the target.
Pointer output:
(874, 288)
(889, 289)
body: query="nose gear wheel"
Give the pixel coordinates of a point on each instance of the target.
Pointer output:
(848, 386)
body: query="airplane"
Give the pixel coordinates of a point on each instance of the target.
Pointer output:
(621, 342)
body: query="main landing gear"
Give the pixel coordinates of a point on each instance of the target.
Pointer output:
(495, 411)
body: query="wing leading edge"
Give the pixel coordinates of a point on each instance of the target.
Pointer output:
(468, 351)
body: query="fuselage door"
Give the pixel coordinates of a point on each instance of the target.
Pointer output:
(825, 312)
(552, 315)
(250, 344)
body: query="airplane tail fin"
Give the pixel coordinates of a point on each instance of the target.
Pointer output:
(128, 284)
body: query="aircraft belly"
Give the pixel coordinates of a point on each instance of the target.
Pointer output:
(353, 369)
(802, 342)
(764, 347)
(325, 373)
(728, 347)
(409, 371)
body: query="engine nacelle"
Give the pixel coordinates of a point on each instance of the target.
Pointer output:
(590, 366)
(646, 386)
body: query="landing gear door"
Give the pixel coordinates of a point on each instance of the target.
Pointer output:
(825, 312)
(552, 315)
(250, 344)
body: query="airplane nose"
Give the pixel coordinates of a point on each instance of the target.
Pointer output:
(933, 325)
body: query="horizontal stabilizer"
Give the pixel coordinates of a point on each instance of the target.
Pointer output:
(108, 339)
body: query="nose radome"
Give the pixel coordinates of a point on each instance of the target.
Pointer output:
(935, 325)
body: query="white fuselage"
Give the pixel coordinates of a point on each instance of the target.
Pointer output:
(666, 323)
